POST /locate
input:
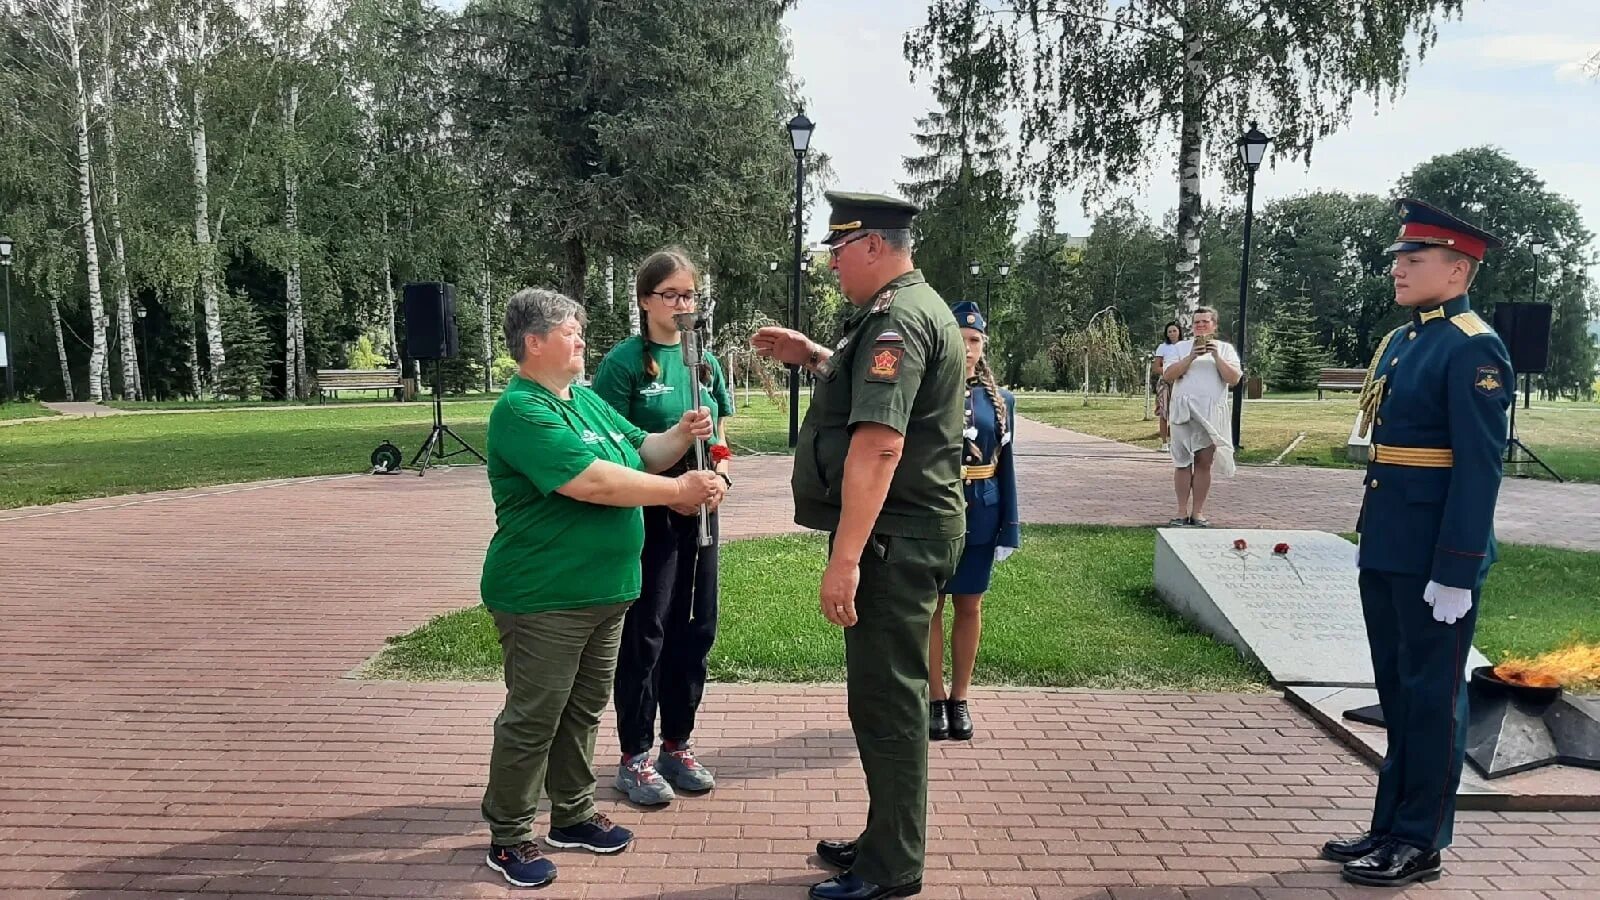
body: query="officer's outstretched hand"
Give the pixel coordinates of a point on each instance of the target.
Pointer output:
(839, 583)
(1449, 603)
(785, 345)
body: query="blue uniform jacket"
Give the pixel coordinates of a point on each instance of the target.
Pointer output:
(991, 502)
(1442, 381)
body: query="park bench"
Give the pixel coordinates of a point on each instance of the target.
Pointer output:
(332, 381)
(1340, 380)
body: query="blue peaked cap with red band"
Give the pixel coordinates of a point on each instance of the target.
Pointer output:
(969, 316)
(1423, 225)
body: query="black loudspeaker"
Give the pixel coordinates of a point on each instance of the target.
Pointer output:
(1525, 328)
(430, 311)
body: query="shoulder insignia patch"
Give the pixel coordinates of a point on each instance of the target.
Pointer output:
(883, 301)
(1488, 381)
(885, 364)
(1470, 323)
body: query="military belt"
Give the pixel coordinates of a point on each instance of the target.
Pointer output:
(1418, 457)
(977, 473)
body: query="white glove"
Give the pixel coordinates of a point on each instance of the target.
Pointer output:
(1449, 603)
(1000, 553)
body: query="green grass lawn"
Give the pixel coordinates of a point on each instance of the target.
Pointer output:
(51, 462)
(1565, 435)
(1074, 608)
(23, 409)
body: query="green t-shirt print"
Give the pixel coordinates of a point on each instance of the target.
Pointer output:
(656, 404)
(550, 551)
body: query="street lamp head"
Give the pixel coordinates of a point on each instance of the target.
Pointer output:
(142, 312)
(1005, 270)
(974, 267)
(800, 129)
(1537, 243)
(805, 263)
(1253, 147)
(772, 265)
(5, 251)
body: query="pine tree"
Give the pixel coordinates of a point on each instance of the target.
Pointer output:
(969, 200)
(1295, 352)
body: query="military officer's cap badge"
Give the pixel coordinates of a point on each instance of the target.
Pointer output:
(1423, 225)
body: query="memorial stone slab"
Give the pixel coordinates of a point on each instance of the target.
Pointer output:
(1298, 614)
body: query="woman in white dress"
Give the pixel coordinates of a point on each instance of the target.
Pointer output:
(1199, 413)
(1166, 352)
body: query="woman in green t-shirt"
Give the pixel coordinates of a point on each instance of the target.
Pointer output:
(667, 637)
(568, 476)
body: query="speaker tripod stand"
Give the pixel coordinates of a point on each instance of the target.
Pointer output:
(433, 448)
(1515, 444)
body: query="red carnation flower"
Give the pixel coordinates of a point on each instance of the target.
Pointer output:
(1281, 549)
(1240, 544)
(720, 452)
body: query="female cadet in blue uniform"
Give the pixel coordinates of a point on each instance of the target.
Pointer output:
(990, 476)
(1435, 399)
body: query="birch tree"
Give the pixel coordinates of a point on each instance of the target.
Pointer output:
(1105, 86)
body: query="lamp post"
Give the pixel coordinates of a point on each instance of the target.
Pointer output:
(144, 355)
(11, 338)
(975, 269)
(800, 129)
(1252, 150)
(1537, 244)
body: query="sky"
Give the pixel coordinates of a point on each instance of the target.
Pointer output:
(1509, 73)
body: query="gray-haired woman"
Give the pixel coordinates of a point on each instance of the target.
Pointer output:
(568, 476)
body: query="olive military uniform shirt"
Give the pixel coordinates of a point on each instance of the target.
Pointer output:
(901, 363)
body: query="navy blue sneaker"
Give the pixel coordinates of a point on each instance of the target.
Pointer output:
(522, 865)
(598, 835)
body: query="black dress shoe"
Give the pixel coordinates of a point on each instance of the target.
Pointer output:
(849, 887)
(839, 854)
(1343, 850)
(1394, 864)
(938, 721)
(960, 721)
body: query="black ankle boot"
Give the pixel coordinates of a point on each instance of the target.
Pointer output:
(960, 721)
(938, 721)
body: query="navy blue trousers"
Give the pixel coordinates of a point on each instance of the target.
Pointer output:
(1418, 665)
(668, 633)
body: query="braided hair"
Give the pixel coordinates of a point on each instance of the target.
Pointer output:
(986, 376)
(657, 268)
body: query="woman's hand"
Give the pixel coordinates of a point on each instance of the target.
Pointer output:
(785, 345)
(695, 424)
(698, 487)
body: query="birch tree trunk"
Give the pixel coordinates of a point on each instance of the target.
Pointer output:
(488, 330)
(132, 387)
(633, 302)
(611, 282)
(1189, 161)
(91, 249)
(202, 217)
(294, 360)
(388, 292)
(61, 346)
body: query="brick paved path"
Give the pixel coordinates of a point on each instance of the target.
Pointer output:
(176, 716)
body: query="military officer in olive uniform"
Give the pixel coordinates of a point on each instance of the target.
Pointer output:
(1435, 402)
(878, 467)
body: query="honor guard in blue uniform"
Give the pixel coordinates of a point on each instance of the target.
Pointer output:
(1435, 403)
(989, 474)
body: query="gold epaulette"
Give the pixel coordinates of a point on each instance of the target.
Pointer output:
(1470, 323)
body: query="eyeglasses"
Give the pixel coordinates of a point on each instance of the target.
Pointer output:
(676, 298)
(837, 248)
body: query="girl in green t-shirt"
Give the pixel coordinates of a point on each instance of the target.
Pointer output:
(669, 630)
